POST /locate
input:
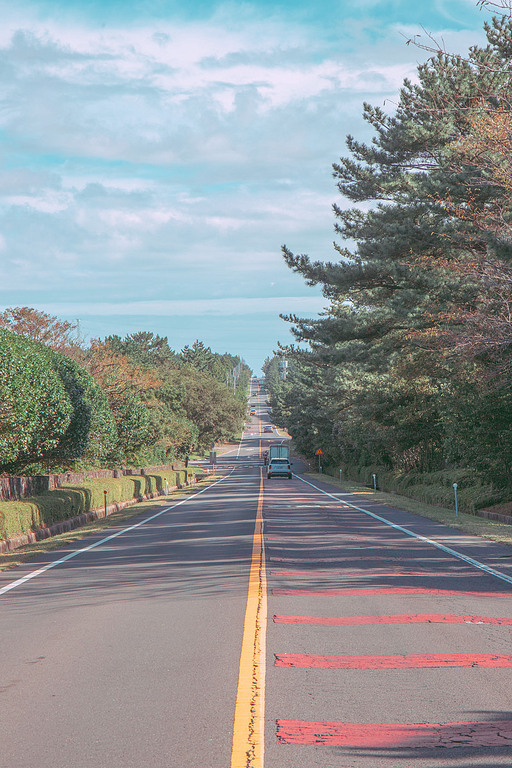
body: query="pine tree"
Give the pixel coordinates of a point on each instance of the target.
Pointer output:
(410, 274)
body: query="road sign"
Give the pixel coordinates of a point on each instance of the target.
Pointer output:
(319, 452)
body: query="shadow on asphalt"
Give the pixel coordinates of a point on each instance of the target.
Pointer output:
(335, 546)
(203, 548)
(450, 752)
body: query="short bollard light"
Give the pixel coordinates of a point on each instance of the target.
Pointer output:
(341, 475)
(456, 501)
(374, 477)
(105, 499)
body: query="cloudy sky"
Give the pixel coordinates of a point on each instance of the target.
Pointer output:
(156, 154)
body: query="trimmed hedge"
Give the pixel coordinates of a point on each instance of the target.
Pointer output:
(35, 410)
(91, 432)
(18, 517)
(50, 408)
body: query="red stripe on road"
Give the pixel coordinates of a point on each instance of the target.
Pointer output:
(386, 735)
(418, 618)
(386, 591)
(340, 559)
(305, 559)
(364, 572)
(394, 661)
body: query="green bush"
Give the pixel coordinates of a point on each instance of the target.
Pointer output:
(91, 432)
(35, 408)
(430, 487)
(51, 410)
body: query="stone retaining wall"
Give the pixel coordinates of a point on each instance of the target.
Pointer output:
(15, 488)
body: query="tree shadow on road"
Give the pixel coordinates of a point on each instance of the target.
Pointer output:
(484, 740)
(195, 549)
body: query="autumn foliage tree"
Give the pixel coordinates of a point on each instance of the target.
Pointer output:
(118, 376)
(482, 327)
(60, 335)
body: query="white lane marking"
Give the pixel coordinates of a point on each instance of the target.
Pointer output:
(76, 552)
(418, 536)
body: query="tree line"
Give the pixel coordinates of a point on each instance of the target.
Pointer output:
(409, 368)
(65, 404)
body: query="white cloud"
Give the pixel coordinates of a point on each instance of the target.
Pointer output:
(50, 201)
(124, 94)
(146, 164)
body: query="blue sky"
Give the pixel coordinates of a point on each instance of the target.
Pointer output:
(156, 154)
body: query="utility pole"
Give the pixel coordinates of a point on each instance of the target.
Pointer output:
(236, 374)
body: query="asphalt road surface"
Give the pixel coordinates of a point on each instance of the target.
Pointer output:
(357, 636)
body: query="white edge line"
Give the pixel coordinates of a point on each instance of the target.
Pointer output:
(28, 576)
(418, 536)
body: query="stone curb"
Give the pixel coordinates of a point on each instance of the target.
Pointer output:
(497, 516)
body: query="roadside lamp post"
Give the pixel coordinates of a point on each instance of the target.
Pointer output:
(374, 478)
(105, 501)
(456, 501)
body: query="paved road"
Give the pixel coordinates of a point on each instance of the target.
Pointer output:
(383, 650)
(351, 640)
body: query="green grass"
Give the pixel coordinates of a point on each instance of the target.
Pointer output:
(468, 523)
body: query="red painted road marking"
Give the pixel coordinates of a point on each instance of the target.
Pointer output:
(342, 539)
(394, 661)
(321, 538)
(340, 559)
(398, 735)
(363, 572)
(392, 619)
(386, 591)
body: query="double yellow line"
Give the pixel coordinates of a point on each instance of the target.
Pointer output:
(248, 729)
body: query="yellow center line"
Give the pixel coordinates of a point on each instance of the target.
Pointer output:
(248, 728)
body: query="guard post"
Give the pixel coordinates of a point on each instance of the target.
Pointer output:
(456, 500)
